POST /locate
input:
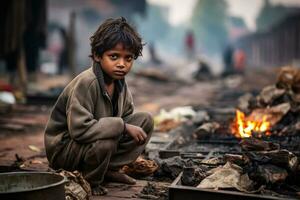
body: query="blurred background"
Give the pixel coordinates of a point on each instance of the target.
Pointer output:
(44, 44)
(52, 37)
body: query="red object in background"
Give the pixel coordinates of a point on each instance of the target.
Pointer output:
(190, 43)
(239, 60)
(5, 87)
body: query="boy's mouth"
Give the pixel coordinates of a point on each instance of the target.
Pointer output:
(119, 73)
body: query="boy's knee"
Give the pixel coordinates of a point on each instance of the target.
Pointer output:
(147, 121)
(105, 146)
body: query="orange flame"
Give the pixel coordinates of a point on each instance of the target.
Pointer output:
(244, 127)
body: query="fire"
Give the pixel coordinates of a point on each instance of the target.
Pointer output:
(243, 126)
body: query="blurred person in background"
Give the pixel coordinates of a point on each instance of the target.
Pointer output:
(190, 44)
(239, 60)
(228, 60)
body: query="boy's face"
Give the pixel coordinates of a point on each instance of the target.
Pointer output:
(116, 62)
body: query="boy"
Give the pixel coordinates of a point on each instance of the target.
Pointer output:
(92, 127)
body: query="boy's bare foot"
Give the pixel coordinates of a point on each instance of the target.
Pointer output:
(119, 177)
(99, 190)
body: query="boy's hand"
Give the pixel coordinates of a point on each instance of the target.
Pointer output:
(137, 133)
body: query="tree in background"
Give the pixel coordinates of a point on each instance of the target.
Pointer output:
(209, 22)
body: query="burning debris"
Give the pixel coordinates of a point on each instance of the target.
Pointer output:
(275, 110)
(265, 128)
(263, 167)
(244, 127)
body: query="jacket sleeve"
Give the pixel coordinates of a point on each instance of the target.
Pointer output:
(82, 125)
(128, 105)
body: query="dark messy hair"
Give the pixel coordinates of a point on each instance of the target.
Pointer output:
(114, 31)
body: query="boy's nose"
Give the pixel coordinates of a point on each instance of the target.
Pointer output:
(121, 64)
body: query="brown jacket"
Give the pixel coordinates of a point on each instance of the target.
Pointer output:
(84, 112)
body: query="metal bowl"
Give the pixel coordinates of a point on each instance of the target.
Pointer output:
(32, 185)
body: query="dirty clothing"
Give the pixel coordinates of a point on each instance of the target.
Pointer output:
(85, 131)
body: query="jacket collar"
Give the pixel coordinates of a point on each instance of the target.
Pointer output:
(97, 69)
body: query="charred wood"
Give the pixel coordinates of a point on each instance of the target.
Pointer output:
(240, 160)
(270, 174)
(282, 158)
(192, 176)
(253, 144)
(269, 94)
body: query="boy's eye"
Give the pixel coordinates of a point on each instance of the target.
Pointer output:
(129, 58)
(113, 56)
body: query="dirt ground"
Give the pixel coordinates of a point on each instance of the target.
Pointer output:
(21, 132)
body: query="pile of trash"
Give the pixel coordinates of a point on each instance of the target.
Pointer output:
(279, 103)
(168, 120)
(262, 168)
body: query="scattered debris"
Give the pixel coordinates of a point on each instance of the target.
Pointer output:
(36, 162)
(166, 121)
(205, 130)
(227, 176)
(200, 117)
(213, 161)
(272, 114)
(77, 188)
(192, 176)
(34, 148)
(170, 167)
(141, 167)
(269, 94)
(240, 160)
(254, 144)
(178, 114)
(282, 158)
(167, 125)
(270, 174)
(19, 160)
(153, 191)
(244, 102)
